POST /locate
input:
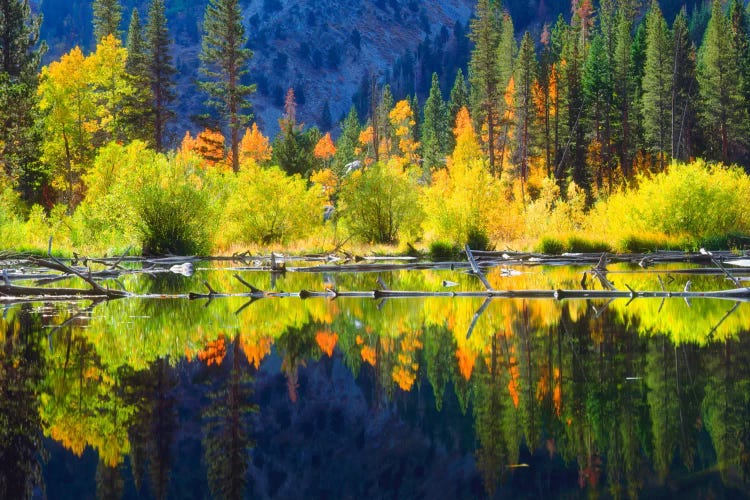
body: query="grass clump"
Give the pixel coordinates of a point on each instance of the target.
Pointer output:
(441, 251)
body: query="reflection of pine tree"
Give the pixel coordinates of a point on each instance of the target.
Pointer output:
(296, 345)
(109, 481)
(439, 351)
(727, 402)
(226, 441)
(152, 433)
(488, 413)
(22, 367)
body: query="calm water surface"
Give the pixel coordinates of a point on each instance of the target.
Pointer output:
(358, 398)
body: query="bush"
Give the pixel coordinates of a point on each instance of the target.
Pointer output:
(550, 245)
(269, 206)
(173, 221)
(578, 244)
(478, 240)
(380, 204)
(443, 251)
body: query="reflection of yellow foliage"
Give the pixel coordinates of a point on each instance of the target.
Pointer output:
(214, 352)
(466, 362)
(327, 341)
(403, 377)
(368, 355)
(255, 352)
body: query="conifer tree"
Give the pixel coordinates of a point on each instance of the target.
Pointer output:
(623, 91)
(383, 134)
(347, 144)
(506, 53)
(160, 72)
(740, 37)
(224, 58)
(484, 72)
(435, 128)
(597, 91)
(525, 78)
(139, 109)
(20, 133)
(657, 84)
(107, 17)
(459, 97)
(720, 87)
(684, 89)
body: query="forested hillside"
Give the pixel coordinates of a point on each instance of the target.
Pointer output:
(613, 120)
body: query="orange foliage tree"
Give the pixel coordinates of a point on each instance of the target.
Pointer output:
(208, 144)
(255, 146)
(325, 149)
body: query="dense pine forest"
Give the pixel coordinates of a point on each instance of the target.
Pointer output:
(610, 127)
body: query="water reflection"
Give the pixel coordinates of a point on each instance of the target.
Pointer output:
(361, 398)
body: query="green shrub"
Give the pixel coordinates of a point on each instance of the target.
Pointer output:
(478, 240)
(578, 244)
(380, 204)
(443, 251)
(173, 221)
(550, 245)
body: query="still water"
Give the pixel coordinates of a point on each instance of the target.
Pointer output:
(165, 397)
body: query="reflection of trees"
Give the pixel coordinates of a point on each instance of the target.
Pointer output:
(489, 406)
(22, 369)
(226, 441)
(440, 357)
(109, 481)
(726, 406)
(154, 424)
(295, 346)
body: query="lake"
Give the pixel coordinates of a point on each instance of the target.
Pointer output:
(160, 396)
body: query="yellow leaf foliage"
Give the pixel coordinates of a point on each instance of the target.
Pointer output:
(255, 146)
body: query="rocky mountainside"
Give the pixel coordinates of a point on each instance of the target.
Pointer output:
(326, 50)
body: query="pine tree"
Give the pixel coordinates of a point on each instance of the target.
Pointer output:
(20, 132)
(224, 59)
(720, 87)
(506, 53)
(484, 73)
(684, 89)
(435, 128)
(657, 84)
(325, 122)
(623, 92)
(525, 78)
(107, 17)
(139, 108)
(347, 144)
(160, 71)
(597, 91)
(740, 37)
(383, 133)
(459, 97)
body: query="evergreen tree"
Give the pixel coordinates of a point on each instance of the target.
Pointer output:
(459, 97)
(657, 84)
(720, 87)
(224, 59)
(383, 131)
(484, 72)
(347, 144)
(572, 161)
(597, 91)
(20, 133)
(160, 71)
(740, 37)
(525, 78)
(107, 17)
(139, 109)
(638, 56)
(623, 92)
(684, 89)
(435, 128)
(325, 122)
(506, 53)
